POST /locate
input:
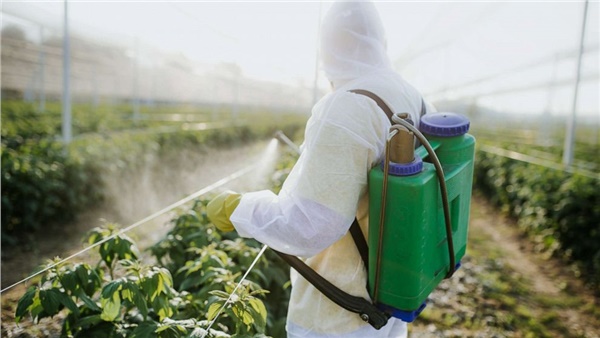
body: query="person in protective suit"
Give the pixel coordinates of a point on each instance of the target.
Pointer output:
(327, 188)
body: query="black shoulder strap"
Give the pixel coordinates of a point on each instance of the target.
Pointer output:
(361, 242)
(367, 310)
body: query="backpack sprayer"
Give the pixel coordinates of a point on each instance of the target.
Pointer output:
(419, 201)
(418, 224)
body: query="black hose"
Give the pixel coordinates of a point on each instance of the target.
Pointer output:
(443, 190)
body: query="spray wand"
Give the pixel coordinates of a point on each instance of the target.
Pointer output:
(279, 135)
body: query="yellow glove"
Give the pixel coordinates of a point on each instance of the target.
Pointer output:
(220, 209)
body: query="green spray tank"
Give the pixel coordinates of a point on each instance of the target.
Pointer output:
(418, 218)
(419, 205)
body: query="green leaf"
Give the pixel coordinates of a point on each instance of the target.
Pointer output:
(111, 307)
(260, 275)
(138, 299)
(94, 237)
(89, 302)
(81, 271)
(88, 321)
(110, 288)
(145, 329)
(50, 300)
(36, 309)
(189, 283)
(247, 318)
(102, 329)
(89, 279)
(69, 281)
(259, 307)
(242, 314)
(209, 275)
(220, 294)
(24, 303)
(152, 284)
(160, 286)
(166, 276)
(68, 303)
(162, 308)
(213, 309)
(127, 294)
(162, 327)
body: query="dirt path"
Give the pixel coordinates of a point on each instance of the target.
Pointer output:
(548, 277)
(517, 250)
(508, 289)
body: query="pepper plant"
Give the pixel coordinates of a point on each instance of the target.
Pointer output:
(196, 270)
(188, 284)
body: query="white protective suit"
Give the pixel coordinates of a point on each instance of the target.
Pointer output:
(327, 188)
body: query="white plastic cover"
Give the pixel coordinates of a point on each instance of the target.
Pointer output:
(327, 188)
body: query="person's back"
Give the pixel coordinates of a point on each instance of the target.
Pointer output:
(327, 188)
(354, 57)
(313, 314)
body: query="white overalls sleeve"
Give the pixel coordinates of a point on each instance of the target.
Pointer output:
(318, 201)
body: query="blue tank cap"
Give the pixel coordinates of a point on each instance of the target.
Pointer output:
(405, 169)
(444, 124)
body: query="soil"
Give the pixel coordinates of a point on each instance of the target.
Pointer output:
(549, 277)
(551, 288)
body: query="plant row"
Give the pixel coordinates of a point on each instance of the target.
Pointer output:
(44, 182)
(560, 211)
(187, 289)
(545, 143)
(188, 284)
(178, 291)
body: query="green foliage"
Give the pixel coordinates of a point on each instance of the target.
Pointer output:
(115, 246)
(196, 272)
(205, 262)
(21, 122)
(559, 210)
(41, 185)
(57, 289)
(192, 277)
(44, 182)
(247, 311)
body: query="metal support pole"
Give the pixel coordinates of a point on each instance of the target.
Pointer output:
(570, 134)
(66, 97)
(136, 90)
(235, 109)
(95, 97)
(215, 98)
(42, 71)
